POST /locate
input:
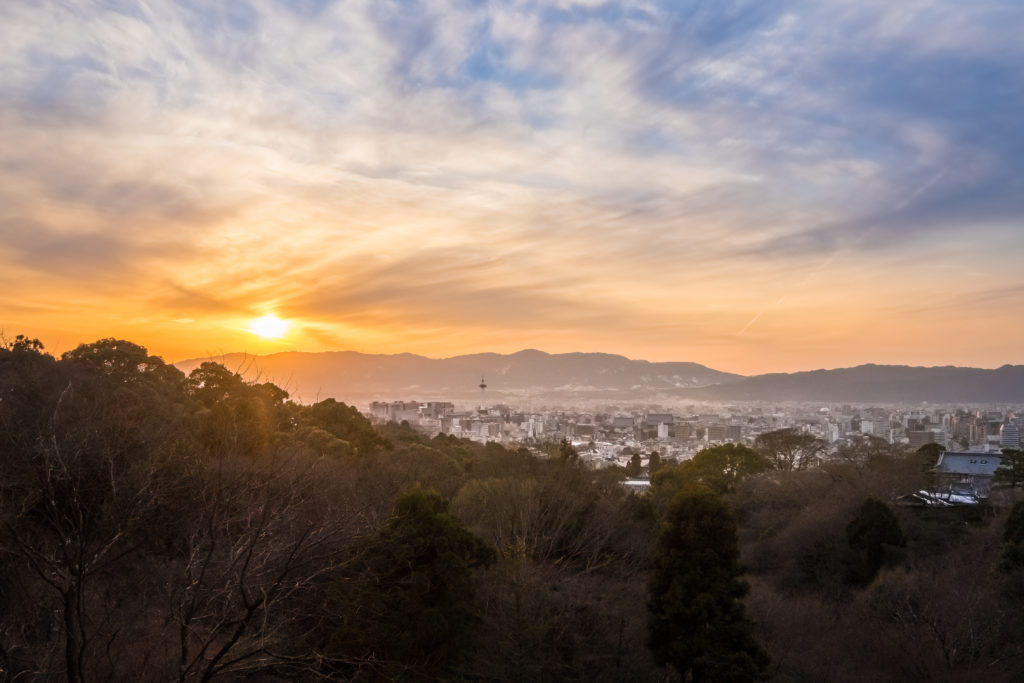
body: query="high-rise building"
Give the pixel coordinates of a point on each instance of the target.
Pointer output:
(716, 433)
(436, 409)
(1009, 436)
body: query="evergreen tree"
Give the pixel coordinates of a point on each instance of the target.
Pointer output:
(697, 622)
(1012, 556)
(409, 606)
(927, 457)
(1011, 467)
(346, 423)
(721, 467)
(654, 462)
(567, 452)
(873, 530)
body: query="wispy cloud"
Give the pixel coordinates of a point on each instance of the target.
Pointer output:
(451, 172)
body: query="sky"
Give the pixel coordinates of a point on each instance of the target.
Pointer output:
(760, 186)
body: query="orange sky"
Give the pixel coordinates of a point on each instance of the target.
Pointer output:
(571, 176)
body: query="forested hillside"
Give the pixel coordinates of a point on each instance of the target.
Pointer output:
(156, 526)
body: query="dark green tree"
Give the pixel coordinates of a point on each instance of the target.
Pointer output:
(567, 452)
(409, 608)
(930, 453)
(236, 417)
(634, 467)
(31, 383)
(1012, 556)
(720, 468)
(716, 468)
(874, 532)
(347, 424)
(926, 458)
(654, 462)
(1011, 467)
(697, 622)
(127, 364)
(212, 383)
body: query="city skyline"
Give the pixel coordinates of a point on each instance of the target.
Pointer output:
(758, 188)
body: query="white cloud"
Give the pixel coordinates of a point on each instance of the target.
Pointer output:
(664, 161)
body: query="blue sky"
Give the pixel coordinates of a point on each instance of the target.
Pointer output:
(752, 185)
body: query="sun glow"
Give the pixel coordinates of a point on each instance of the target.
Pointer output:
(269, 327)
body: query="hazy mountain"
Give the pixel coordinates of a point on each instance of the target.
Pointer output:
(351, 375)
(877, 383)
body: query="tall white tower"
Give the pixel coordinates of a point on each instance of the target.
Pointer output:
(1009, 436)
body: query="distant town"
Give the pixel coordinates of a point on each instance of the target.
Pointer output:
(612, 436)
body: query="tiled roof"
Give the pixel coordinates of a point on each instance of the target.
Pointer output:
(980, 464)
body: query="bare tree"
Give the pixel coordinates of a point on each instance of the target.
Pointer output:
(135, 552)
(261, 543)
(790, 449)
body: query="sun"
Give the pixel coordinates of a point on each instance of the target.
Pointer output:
(269, 326)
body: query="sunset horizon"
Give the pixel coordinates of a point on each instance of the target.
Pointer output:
(266, 347)
(268, 269)
(768, 188)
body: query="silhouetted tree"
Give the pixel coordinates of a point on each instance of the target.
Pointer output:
(409, 608)
(237, 418)
(790, 449)
(930, 452)
(697, 621)
(21, 343)
(81, 488)
(927, 457)
(654, 462)
(1011, 467)
(31, 383)
(254, 544)
(870, 452)
(1012, 555)
(347, 424)
(126, 363)
(871, 532)
(567, 452)
(719, 468)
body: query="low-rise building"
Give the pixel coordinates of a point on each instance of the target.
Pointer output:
(967, 473)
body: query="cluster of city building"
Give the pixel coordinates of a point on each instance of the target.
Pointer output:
(613, 434)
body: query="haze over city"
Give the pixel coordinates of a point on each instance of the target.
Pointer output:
(756, 187)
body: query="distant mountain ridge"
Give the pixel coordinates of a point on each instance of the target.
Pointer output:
(877, 384)
(351, 375)
(340, 374)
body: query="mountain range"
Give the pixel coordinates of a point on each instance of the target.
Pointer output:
(349, 374)
(352, 376)
(877, 384)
